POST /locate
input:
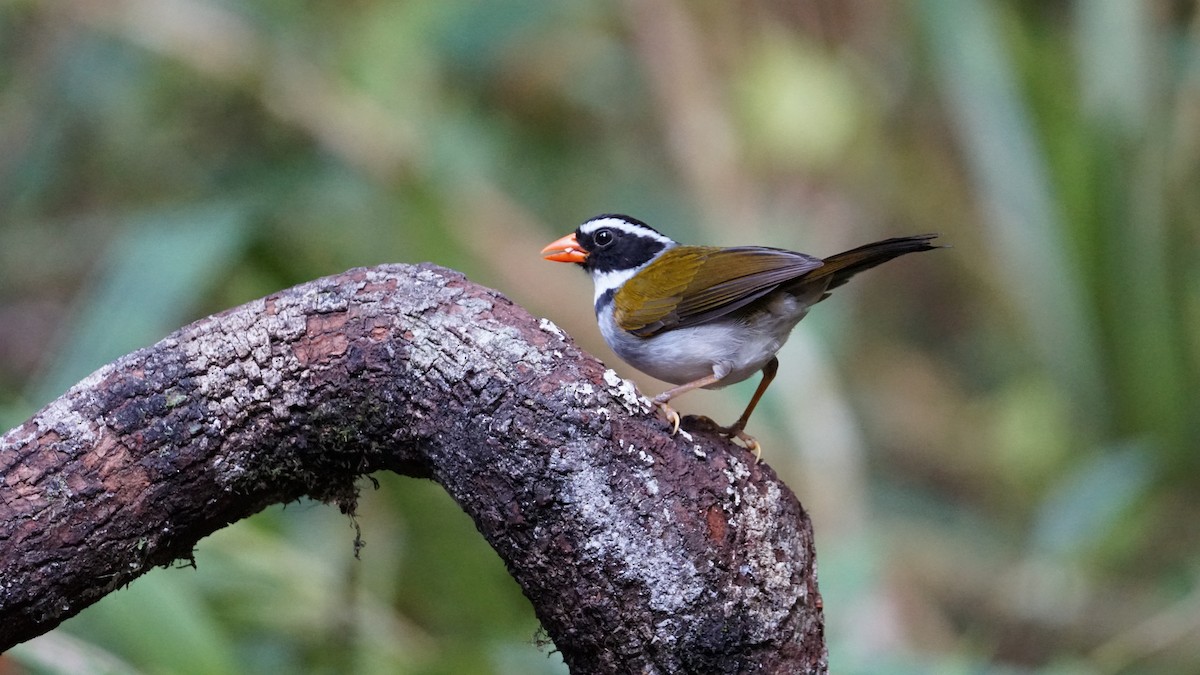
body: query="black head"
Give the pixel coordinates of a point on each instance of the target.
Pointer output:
(615, 242)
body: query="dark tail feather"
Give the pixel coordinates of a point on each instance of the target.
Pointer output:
(844, 265)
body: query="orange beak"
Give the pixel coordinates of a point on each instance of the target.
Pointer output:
(566, 249)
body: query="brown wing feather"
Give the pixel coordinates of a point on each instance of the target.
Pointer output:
(691, 284)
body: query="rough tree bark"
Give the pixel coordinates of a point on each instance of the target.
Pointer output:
(641, 552)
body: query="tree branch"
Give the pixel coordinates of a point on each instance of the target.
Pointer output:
(641, 552)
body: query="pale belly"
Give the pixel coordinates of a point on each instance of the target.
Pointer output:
(735, 351)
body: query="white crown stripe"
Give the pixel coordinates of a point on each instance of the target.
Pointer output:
(625, 226)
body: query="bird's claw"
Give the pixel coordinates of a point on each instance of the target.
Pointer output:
(750, 442)
(671, 416)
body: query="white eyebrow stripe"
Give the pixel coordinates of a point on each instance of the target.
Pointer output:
(625, 226)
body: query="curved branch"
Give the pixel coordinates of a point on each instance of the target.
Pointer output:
(640, 552)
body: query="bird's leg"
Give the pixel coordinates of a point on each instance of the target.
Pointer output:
(668, 411)
(737, 429)
(768, 374)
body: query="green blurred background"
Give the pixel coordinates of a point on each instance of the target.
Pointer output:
(995, 441)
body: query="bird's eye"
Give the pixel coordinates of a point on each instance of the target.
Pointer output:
(603, 237)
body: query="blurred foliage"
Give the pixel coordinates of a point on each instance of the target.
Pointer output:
(997, 441)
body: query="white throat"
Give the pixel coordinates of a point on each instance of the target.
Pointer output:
(612, 280)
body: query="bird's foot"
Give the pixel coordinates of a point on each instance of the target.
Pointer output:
(750, 442)
(669, 414)
(705, 424)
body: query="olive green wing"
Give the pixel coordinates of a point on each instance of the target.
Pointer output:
(692, 284)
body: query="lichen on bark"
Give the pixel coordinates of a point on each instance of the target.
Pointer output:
(641, 552)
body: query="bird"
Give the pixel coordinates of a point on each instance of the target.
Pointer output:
(704, 317)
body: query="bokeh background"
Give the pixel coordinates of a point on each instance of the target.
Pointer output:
(996, 441)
